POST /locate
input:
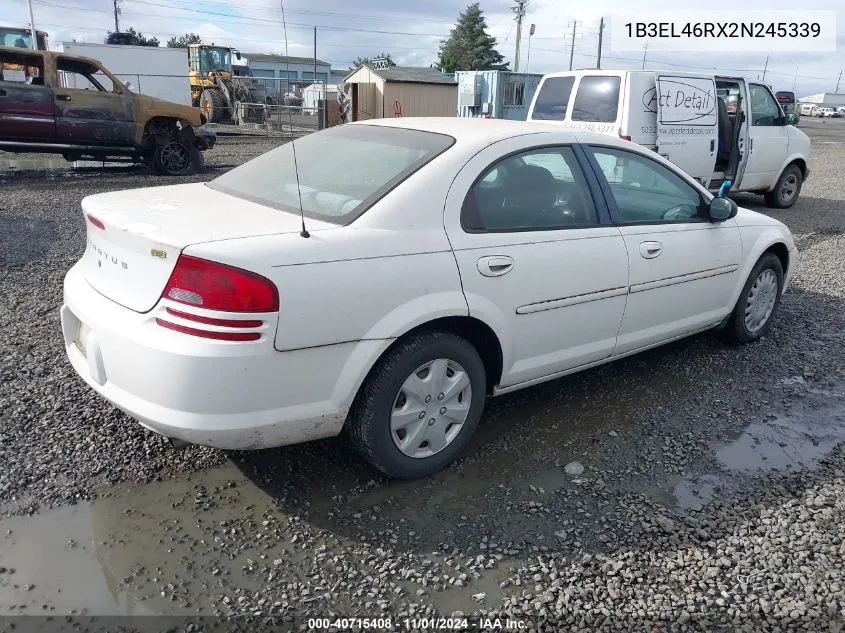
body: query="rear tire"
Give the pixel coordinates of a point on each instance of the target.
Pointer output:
(786, 190)
(758, 303)
(412, 416)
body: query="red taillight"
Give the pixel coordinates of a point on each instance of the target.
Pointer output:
(625, 138)
(220, 336)
(98, 223)
(212, 286)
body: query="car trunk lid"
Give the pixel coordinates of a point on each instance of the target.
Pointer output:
(134, 237)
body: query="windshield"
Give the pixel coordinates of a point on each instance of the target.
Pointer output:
(342, 170)
(212, 59)
(20, 38)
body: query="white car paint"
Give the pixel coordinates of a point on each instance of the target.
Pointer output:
(347, 293)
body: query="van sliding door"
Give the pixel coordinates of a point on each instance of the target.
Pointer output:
(687, 123)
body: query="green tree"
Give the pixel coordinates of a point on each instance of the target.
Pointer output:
(360, 61)
(469, 46)
(182, 41)
(131, 37)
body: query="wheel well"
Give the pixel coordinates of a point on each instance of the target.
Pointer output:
(780, 251)
(161, 129)
(802, 165)
(478, 333)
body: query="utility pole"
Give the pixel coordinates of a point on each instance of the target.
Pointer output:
(645, 52)
(598, 57)
(575, 24)
(765, 67)
(519, 9)
(530, 33)
(795, 80)
(836, 91)
(34, 32)
(315, 55)
(116, 12)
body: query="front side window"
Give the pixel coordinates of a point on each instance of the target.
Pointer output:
(646, 191)
(553, 99)
(597, 99)
(538, 190)
(765, 110)
(342, 170)
(83, 75)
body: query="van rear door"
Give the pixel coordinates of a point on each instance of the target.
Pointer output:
(687, 123)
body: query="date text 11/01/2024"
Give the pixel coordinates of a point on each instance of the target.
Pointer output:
(724, 29)
(418, 624)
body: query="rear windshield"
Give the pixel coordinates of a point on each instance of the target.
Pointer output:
(342, 170)
(553, 99)
(597, 99)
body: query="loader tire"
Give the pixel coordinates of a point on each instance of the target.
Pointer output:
(214, 107)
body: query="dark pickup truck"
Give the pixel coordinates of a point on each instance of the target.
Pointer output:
(99, 118)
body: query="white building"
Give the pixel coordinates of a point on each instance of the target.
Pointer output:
(825, 99)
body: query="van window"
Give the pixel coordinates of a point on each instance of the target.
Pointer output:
(764, 109)
(553, 99)
(597, 99)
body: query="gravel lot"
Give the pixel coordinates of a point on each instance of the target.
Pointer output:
(696, 487)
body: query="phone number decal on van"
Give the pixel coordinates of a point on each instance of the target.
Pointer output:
(686, 131)
(592, 127)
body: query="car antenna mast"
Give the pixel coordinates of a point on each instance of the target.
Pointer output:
(304, 232)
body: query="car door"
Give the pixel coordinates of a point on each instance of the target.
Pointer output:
(683, 268)
(687, 122)
(538, 258)
(90, 108)
(768, 138)
(26, 104)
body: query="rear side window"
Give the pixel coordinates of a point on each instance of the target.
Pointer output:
(597, 100)
(553, 99)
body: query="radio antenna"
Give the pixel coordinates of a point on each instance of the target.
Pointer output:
(304, 232)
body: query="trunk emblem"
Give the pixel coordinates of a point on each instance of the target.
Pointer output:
(158, 253)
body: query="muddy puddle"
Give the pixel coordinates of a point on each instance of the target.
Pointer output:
(783, 443)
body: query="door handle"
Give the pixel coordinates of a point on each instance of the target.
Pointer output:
(62, 97)
(712, 145)
(650, 250)
(750, 145)
(495, 266)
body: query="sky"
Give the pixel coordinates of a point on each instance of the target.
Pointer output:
(411, 32)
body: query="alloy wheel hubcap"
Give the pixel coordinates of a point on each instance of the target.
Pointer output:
(430, 408)
(761, 300)
(174, 157)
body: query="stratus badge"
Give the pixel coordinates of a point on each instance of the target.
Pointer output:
(158, 253)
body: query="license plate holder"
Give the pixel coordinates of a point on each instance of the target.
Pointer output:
(81, 339)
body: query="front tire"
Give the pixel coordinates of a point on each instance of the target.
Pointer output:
(174, 158)
(419, 407)
(786, 190)
(757, 304)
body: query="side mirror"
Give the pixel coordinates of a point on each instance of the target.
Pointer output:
(128, 85)
(238, 54)
(721, 209)
(792, 119)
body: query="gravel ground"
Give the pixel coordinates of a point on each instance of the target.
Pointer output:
(693, 487)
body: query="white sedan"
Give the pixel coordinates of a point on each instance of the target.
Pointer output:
(407, 270)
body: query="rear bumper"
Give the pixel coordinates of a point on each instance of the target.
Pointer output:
(216, 393)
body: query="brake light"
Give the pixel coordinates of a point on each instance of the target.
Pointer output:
(625, 138)
(96, 222)
(212, 286)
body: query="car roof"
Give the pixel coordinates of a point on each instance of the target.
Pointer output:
(484, 131)
(46, 54)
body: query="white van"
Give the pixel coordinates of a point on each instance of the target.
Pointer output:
(716, 128)
(809, 109)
